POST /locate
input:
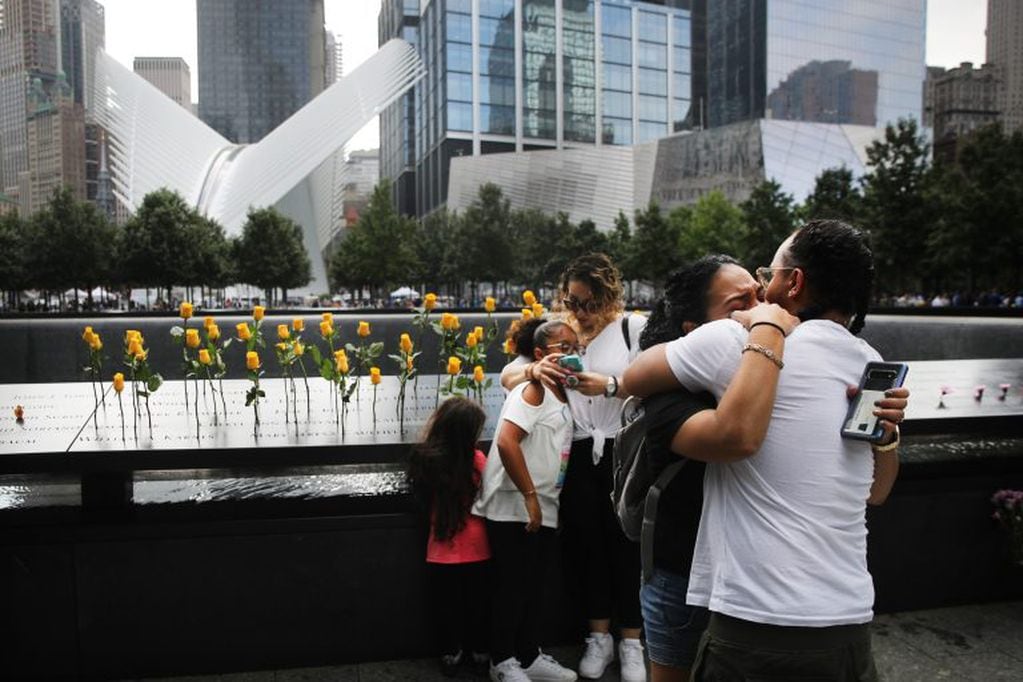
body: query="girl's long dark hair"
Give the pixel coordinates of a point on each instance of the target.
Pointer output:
(441, 469)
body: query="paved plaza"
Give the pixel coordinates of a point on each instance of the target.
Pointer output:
(977, 643)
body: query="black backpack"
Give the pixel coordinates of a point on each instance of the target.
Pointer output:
(638, 482)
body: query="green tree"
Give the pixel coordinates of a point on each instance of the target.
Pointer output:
(532, 230)
(157, 248)
(896, 210)
(977, 236)
(770, 217)
(13, 236)
(379, 250)
(713, 225)
(70, 245)
(834, 196)
(619, 247)
(485, 245)
(270, 253)
(655, 244)
(435, 265)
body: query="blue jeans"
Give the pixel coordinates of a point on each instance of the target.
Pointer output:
(673, 628)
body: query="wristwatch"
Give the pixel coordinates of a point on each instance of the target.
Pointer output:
(611, 389)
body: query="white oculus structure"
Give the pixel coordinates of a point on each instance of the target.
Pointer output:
(154, 144)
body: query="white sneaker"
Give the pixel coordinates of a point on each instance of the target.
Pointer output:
(600, 651)
(546, 669)
(630, 658)
(508, 670)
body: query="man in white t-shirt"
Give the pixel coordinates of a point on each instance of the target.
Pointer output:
(781, 553)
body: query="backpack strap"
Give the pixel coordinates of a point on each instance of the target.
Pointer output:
(625, 331)
(653, 499)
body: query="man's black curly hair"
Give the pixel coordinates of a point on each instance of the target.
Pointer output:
(684, 299)
(839, 268)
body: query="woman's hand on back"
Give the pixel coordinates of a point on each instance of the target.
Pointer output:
(771, 313)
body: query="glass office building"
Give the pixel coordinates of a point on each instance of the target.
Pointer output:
(829, 61)
(520, 75)
(260, 61)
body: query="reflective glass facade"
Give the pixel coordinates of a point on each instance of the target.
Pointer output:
(260, 61)
(515, 75)
(830, 61)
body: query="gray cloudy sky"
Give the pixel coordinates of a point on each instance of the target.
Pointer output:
(166, 28)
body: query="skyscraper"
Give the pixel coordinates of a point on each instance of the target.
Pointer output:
(1005, 51)
(170, 75)
(260, 61)
(332, 61)
(82, 32)
(831, 61)
(41, 124)
(520, 75)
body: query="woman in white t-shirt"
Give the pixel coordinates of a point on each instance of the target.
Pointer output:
(603, 563)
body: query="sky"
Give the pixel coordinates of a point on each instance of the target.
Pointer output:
(166, 28)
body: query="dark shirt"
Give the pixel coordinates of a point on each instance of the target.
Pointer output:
(681, 503)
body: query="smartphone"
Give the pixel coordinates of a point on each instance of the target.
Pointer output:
(878, 377)
(572, 362)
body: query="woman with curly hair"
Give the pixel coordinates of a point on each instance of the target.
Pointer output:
(603, 562)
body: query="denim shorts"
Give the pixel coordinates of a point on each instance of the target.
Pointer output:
(673, 628)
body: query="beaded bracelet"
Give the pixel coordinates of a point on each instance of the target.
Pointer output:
(766, 352)
(887, 447)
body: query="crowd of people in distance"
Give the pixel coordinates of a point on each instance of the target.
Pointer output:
(956, 299)
(757, 565)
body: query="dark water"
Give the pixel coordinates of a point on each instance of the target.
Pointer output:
(368, 480)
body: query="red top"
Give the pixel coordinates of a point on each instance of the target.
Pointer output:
(469, 544)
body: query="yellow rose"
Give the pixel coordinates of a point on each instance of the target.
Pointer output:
(257, 313)
(283, 332)
(95, 343)
(449, 322)
(185, 311)
(192, 338)
(299, 349)
(478, 331)
(129, 334)
(118, 382)
(470, 340)
(141, 354)
(213, 332)
(281, 346)
(326, 328)
(406, 343)
(298, 324)
(252, 360)
(489, 304)
(528, 297)
(527, 314)
(430, 301)
(341, 362)
(208, 322)
(374, 375)
(244, 333)
(477, 374)
(134, 346)
(327, 317)
(538, 310)
(410, 363)
(204, 357)
(363, 329)
(509, 347)
(454, 365)
(87, 334)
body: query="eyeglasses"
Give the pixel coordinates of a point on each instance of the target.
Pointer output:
(588, 306)
(563, 347)
(765, 274)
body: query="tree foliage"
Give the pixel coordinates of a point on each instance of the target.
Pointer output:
(270, 253)
(770, 216)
